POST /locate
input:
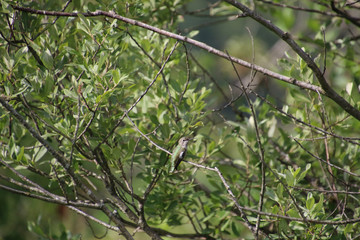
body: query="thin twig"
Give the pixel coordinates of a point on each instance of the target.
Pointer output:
(65, 164)
(306, 220)
(137, 101)
(324, 161)
(202, 45)
(326, 88)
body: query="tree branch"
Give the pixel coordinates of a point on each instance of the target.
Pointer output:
(191, 41)
(326, 89)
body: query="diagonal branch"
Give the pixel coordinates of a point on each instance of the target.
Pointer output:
(65, 164)
(327, 90)
(324, 89)
(191, 41)
(242, 209)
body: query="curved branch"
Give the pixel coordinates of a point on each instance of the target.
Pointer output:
(242, 209)
(326, 88)
(191, 41)
(65, 164)
(345, 15)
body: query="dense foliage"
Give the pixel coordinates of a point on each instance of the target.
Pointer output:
(96, 94)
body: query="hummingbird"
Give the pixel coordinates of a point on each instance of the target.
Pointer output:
(179, 153)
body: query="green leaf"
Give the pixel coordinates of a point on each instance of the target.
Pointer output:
(70, 94)
(290, 180)
(192, 34)
(6, 7)
(40, 153)
(226, 224)
(116, 76)
(20, 155)
(303, 174)
(47, 59)
(319, 206)
(283, 225)
(271, 194)
(348, 228)
(293, 213)
(208, 217)
(234, 228)
(21, 53)
(175, 85)
(310, 201)
(275, 209)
